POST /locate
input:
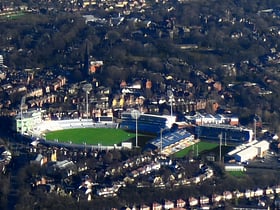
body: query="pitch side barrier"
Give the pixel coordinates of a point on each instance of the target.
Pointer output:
(69, 124)
(70, 145)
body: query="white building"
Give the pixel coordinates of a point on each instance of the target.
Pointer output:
(1, 61)
(234, 167)
(26, 121)
(202, 119)
(249, 151)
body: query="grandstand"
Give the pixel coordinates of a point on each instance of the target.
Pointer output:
(32, 123)
(233, 134)
(201, 119)
(24, 121)
(146, 123)
(54, 125)
(171, 142)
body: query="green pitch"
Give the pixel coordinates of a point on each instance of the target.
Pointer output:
(91, 136)
(198, 147)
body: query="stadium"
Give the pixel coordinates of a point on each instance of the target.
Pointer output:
(32, 124)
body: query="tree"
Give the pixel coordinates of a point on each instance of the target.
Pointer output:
(116, 155)
(108, 157)
(112, 37)
(155, 64)
(77, 76)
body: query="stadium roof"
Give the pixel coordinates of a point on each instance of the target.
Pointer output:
(225, 126)
(169, 138)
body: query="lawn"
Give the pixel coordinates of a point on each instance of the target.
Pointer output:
(12, 15)
(237, 174)
(197, 148)
(91, 136)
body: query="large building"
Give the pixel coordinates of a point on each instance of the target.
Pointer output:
(146, 123)
(228, 133)
(26, 121)
(1, 61)
(249, 151)
(202, 119)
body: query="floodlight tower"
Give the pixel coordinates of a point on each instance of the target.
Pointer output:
(255, 128)
(135, 114)
(161, 141)
(220, 146)
(170, 96)
(21, 115)
(87, 88)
